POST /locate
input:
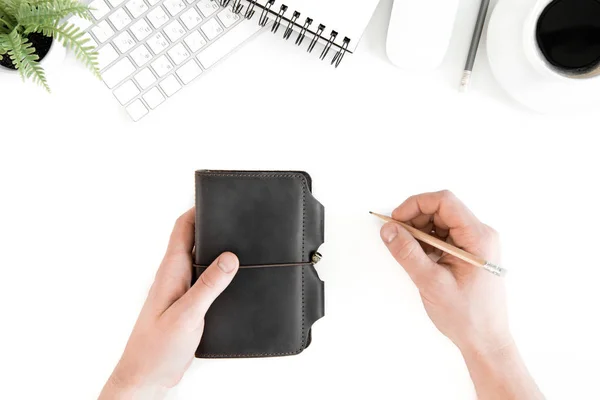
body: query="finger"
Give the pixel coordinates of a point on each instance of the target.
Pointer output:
(178, 257)
(421, 221)
(441, 232)
(182, 237)
(196, 302)
(173, 277)
(427, 248)
(451, 212)
(426, 228)
(458, 268)
(407, 251)
(439, 222)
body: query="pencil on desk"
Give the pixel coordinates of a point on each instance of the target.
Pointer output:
(446, 247)
(477, 32)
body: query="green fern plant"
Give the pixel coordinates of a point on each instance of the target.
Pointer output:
(20, 18)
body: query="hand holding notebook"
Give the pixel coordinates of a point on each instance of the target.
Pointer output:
(167, 332)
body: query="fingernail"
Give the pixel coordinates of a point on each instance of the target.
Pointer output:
(389, 232)
(227, 263)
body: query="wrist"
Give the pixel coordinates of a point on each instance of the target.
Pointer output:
(491, 340)
(496, 350)
(119, 388)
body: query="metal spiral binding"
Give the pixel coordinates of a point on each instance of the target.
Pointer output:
(250, 10)
(290, 27)
(302, 34)
(337, 59)
(328, 46)
(264, 15)
(277, 22)
(237, 8)
(316, 37)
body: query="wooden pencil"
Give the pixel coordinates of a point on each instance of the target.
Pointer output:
(446, 247)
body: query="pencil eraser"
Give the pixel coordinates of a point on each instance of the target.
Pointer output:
(495, 269)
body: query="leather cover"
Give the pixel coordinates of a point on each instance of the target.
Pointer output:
(264, 218)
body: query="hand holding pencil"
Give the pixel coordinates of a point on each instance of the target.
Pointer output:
(466, 303)
(446, 247)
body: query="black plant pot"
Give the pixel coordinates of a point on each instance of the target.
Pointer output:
(41, 44)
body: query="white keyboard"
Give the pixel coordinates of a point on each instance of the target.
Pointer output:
(149, 49)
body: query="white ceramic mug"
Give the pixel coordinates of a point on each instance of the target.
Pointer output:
(539, 61)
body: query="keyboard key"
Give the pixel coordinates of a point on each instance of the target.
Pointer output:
(157, 43)
(191, 18)
(145, 78)
(178, 53)
(136, 110)
(207, 7)
(102, 31)
(154, 97)
(228, 42)
(136, 7)
(126, 92)
(157, 17)
(124, 42)
(120, 19)
(228, 17)
(162, 66)
(195, 41)
(188, 72)
(116, 73)
(140, 55)
(106, 55)
(170, 85)
(174, 30)
(174, 6)
(99, 9)
(115, 3)
(141, 29)
(211, 29)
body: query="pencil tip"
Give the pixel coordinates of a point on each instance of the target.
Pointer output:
(370, 212)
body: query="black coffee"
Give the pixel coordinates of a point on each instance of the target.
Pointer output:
(568, 34)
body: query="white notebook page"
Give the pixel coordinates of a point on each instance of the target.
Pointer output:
(349, 18)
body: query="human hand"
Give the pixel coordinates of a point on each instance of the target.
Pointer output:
(467, 304)
(170, 325)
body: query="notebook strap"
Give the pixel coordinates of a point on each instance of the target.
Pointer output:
(316, 257)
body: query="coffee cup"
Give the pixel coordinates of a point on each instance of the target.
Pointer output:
(561, 39)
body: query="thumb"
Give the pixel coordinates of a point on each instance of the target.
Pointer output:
(213, 281)
(407, 251)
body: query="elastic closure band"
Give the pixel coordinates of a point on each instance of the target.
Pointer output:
(316, 257)
(264, 266)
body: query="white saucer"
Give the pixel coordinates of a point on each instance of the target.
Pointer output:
(518, 76)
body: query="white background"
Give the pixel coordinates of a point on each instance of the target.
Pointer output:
(88, 200)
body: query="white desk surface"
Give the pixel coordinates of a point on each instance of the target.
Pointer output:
(88, 200)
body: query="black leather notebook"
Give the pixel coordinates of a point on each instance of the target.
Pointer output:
(275, 226)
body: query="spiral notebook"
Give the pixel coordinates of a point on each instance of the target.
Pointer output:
(336, 24)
